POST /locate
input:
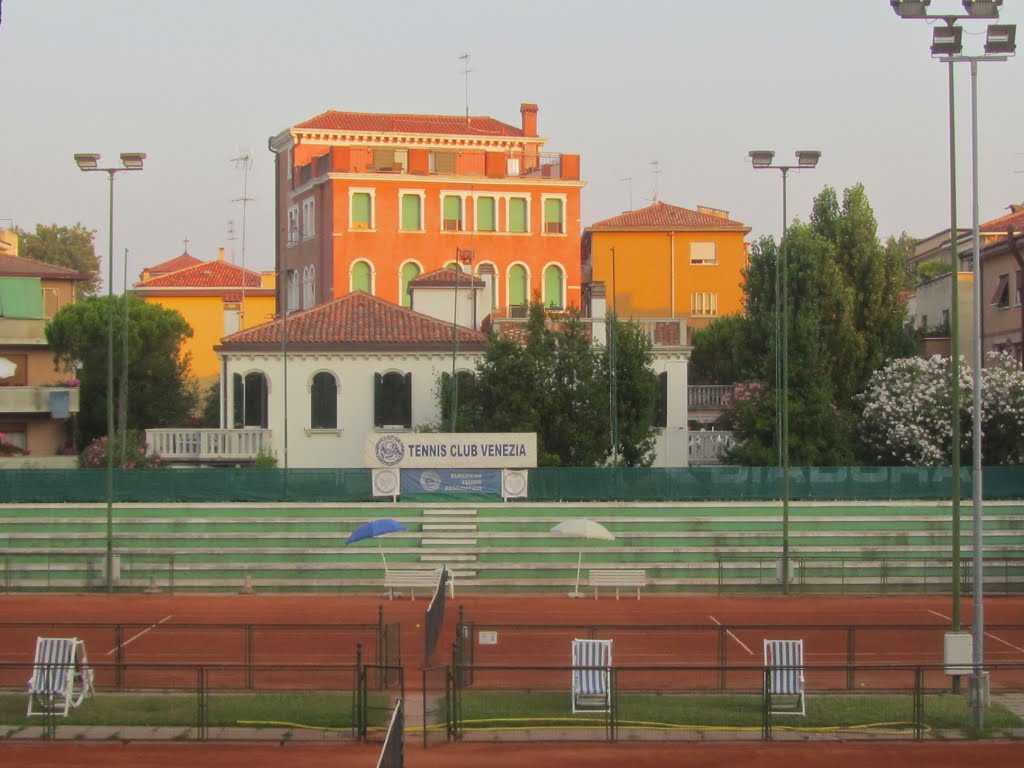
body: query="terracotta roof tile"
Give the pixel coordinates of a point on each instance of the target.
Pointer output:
(17, 266)
(419, 124)
(446, 278)
(359, 319)
(173, 265)
(1014, 219)
(205, 274)
(661, 216)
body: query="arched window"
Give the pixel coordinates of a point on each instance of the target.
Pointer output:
(323, 401)
(392, 400)
(518, 288)
(362, 277)
(410, 271)
(308, 286)
(553, 287)
(250, 400)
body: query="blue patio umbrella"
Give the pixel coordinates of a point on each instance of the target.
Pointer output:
(373, 529)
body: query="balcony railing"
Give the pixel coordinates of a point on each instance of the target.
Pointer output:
(208, 445)
(709, 447)
(707, 397)
(39, 400)
(18, 330)
(662, 331)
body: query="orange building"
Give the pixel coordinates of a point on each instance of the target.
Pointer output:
(216, 298)
(666, 261)
(371, 201)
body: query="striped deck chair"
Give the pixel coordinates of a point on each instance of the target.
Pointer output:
(784, 668)
(591, 688)
(61, 676)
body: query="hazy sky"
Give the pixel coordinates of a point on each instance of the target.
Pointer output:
(691, 84)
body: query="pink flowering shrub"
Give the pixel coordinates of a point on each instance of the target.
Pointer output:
(9, 449)
(135, 455)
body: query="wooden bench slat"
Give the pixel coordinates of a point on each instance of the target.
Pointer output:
(413, 578)
(618, 577)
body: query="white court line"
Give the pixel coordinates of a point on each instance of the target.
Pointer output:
(987, 634)
(140, 634)
(941, 616)
(730, 634)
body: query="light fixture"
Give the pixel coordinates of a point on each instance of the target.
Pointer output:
(807, 158)
(133, 160)
(1001, 39)
(911, 9)
(947, 41)
(87, 161)
(982, 9)
(761, 158)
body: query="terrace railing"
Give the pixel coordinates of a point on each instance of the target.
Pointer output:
(212, 445)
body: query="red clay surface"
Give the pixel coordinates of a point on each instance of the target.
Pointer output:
(157, 635)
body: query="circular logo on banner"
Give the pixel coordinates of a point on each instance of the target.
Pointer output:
(385, 481)
(390, 450)
(515, 483)
(430, 481)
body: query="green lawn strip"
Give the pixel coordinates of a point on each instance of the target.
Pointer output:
(496, 709)
(317, 709)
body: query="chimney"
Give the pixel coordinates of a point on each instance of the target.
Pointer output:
(529, 113)
(220, 254)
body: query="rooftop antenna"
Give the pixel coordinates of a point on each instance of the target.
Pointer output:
(466, 70)
(243, 160)
(656, 171)
(630, 180)
(232, 236)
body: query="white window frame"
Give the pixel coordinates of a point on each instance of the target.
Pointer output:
(704, 303)
(699, 255)
(476, 211)
(373, 273)
(308, 286)
(463, 196)
(293, 234)
(352, 192)
(565, 214)
(309, 218)
(508, 210)
(293, 290)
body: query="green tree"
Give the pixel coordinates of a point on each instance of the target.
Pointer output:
(159, 390)
(845, 318)
(720, 354)
(70, 247)
(554, 381)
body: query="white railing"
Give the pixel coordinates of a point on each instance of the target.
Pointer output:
(662, 331)
(709, 446)
(208, 444)
(707, 397)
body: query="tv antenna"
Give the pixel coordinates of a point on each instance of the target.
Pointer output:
(629, 179)
(656, 172)
(466, 70)
(243, 160)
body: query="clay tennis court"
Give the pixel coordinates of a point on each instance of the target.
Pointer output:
(155, 617)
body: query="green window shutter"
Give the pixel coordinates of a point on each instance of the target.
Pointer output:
(485, 219)
(553, 215)
(517, 285)
(411, 213)
(553, 287)
(324, 402)
(361, 209)
(517, 214)
(361, 277)
(407, 402)
(238, 401)
(409, 273)
(21, 297)
(378, 400)
(452, 209)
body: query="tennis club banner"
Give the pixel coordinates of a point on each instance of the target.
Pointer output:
(451, 450)
(454, 481)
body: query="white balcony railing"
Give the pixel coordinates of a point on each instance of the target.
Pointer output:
(708, 397)
(709, 447)
(208, 444)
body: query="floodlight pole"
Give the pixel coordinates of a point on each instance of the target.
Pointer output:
(132, 161)
(762, 161)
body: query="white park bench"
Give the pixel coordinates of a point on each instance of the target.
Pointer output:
(415, 577)
(618, 577)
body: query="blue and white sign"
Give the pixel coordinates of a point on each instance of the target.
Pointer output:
(446, 450)
(452, 481)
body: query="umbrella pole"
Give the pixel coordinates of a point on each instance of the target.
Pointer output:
(381, 550)
(579, 564)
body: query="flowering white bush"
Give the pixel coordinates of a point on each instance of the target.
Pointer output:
(907, 408)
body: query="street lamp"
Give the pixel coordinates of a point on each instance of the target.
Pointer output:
(131, 161)
(948, 41)
(806, 159)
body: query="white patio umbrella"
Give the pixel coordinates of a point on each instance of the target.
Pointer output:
(582, 528)
(7, 368)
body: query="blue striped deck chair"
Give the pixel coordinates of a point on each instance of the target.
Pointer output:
(784, 668)
(591, 675)
(61, 676)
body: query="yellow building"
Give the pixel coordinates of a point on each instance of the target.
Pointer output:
(215, 297)
(666, 261)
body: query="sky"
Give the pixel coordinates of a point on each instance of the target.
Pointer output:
(660, 98)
